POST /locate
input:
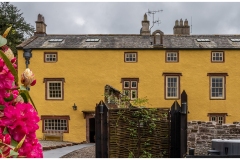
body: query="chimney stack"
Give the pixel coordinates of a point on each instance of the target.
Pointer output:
(40, 26)
(182, 29)
(145, 26)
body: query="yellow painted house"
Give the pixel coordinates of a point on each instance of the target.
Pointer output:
(72, 70)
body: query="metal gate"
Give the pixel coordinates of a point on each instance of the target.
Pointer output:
(101, 130)
(178, 132)
(179, 128)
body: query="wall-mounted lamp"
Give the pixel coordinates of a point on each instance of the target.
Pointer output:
(101, 109)
(184, 108)
(27, 55)
(74, 107)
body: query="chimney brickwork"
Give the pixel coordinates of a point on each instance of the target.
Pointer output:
(145, 26)
(40, 26)
(180, 28)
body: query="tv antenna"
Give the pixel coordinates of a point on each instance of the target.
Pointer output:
(154, 12)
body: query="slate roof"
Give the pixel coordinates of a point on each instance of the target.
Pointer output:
(130, 41)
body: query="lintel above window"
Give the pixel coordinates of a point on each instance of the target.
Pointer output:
(171, 74)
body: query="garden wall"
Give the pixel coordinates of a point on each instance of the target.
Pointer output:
(201, 133)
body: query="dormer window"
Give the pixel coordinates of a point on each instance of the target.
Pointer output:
(55, 40)
(235, 40)
(92, 40)
(203, 40)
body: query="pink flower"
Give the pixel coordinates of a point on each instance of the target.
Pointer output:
(31, 149)
(20, 119)
(6, 79)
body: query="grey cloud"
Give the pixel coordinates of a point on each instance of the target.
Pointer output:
(126, 17)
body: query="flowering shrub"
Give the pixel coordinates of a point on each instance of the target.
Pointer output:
(18, 117)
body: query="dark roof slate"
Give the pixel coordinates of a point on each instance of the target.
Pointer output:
(130, 41)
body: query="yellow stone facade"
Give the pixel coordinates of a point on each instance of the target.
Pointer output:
(86, 72)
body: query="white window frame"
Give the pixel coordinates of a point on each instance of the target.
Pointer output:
(52, 124)
(130, 55)
(48, 90)
(214, 55)
(132, 98)
(171, 55)
(54, 58)
(128, 91)
(177, 87)
(217, 87)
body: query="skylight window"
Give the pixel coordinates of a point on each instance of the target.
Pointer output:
(55, 40)
(92, 40)
(203, 40)
(235, 40)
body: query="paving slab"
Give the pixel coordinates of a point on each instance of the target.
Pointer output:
(59, 152)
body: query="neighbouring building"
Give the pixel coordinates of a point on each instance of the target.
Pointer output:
(72, 70)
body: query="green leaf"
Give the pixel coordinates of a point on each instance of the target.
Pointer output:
(10, 66)
(24, 96)
(10, 98)
(13, 153)
(19, 145)
(14, 143)
(2, 107)
(27, 94)
(5, 131)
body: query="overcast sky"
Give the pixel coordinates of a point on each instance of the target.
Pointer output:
(126, 17)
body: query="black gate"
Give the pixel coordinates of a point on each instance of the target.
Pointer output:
(178, 134)
(179, 128)
(101, 130)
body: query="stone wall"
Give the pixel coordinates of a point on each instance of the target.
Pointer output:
(201, 133)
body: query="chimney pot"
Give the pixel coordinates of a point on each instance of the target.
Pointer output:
(181, 22)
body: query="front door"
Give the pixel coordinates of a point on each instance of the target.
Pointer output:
(92, 130)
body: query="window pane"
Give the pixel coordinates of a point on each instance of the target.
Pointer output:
(126, 84)
(172, 87)
(134, 84)
(133, 94)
